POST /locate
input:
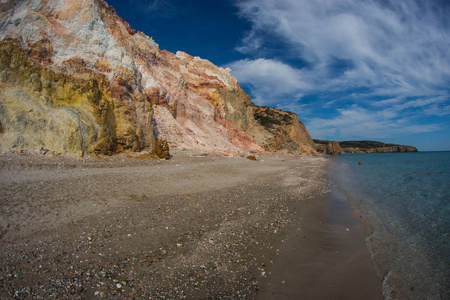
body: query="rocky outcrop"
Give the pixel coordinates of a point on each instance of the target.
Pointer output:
(271, 129)
(67, 83)
(282, 131)
(362, 147)
(333, 148)
(74, 77)
(42, 108)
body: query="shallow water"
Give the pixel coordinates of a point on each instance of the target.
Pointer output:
(404, 199)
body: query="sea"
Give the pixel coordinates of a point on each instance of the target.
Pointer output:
(403, 200)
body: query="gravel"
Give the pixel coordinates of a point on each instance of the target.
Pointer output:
(194, 227)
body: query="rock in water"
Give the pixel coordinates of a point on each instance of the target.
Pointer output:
(75, 78)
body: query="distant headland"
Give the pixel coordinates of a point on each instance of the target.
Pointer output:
(331, 147)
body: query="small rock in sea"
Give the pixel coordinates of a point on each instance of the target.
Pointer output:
(360, 163)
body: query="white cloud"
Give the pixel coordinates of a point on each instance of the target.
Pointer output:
(357, 123)
(250, 43)
(401, 47)
(269, 80)
(391, 58)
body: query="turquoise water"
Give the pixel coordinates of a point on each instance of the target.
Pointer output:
(404, 201)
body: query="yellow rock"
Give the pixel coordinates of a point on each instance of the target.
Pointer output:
(41, 108)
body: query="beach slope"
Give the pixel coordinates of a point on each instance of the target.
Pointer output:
(196, 226)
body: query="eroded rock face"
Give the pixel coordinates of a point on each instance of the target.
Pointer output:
(76, 78)
(67, 84)
(282, 131)
(42, 108)
(333, 148)
(234, 110)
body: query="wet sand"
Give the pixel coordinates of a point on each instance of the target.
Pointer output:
(196, 227)
(324, 257)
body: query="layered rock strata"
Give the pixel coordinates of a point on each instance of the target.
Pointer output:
(74, 77)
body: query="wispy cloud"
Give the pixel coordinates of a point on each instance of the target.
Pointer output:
(250, 43)
(357, 123)
(380, 54)
(270, 80)
(160, 7)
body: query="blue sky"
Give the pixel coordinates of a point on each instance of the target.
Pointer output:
(351, 70)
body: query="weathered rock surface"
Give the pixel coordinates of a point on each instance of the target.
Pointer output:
(74, 77)
(333, 148)
(283, 131)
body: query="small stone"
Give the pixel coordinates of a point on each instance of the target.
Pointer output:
(119, 285)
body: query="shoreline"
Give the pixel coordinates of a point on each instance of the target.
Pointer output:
(191, 227)
(324, 255)
(411, 261)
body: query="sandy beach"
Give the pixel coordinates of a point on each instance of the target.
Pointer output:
(196, 226)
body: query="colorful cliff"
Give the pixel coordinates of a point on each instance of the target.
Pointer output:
(75, 78)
